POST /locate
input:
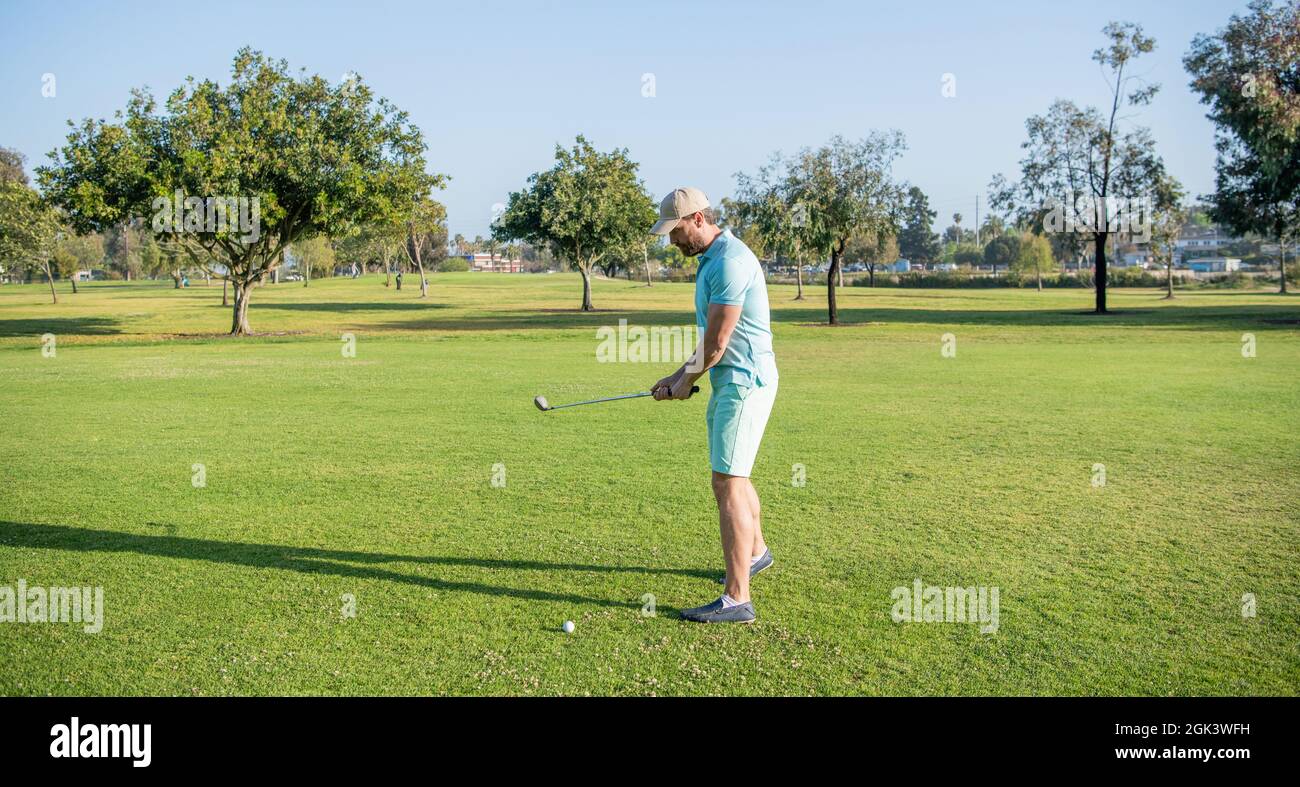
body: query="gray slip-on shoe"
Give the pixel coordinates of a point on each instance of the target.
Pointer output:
(765, 561)
(716, 613)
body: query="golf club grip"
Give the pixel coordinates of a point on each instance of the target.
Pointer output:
(694, 390)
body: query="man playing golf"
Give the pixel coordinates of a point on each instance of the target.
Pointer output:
(735, 348)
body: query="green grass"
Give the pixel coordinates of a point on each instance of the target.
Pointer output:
(371, 476)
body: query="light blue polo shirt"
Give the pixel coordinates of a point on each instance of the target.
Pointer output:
(729, 274)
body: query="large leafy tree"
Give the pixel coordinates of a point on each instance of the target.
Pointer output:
(29, 230)
(1074, 152)
(843, 188)
(1249, 75)
(320, 159)
(589, 205)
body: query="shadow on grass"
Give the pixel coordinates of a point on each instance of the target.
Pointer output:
(1281, 316)
(309, 560)
(415, 304)
(1211, 318)
(70, 326)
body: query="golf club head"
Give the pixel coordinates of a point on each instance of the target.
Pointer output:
(541, 403)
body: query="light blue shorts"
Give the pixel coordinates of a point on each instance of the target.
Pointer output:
(736, 418)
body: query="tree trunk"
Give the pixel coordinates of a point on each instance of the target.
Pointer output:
(239, 323)
(1169, 280)
(1038, 274)
(586, 289)
(225, 297)
(424, 282)
(176, 279)
(1281, 265)
(73, 280)
(871, 275)
(798, 274)
(49, 276)
(832, 310)
(1099, 273)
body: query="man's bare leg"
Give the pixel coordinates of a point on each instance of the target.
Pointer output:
(736, 522)
(759, 545)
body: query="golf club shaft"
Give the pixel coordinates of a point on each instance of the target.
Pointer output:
(694, 389)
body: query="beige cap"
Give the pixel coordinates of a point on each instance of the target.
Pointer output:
(677, 206)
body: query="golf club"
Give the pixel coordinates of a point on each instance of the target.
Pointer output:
(543, 405)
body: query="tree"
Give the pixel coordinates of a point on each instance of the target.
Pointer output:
(374, 244)
(872, 252)
(1034, 255)
(917, 241)
(301, 158)
(75, 253)
(11, 166)
(426, 231)
(1002, 250)
(967, 254)
(1166, 223)
(994, 227)
(845, 188)
(1080, 157)
(313, 255)
(737, 216)
(1249, 75)
(64, 263)
(29, 229)
(767, 203)
(589, 205)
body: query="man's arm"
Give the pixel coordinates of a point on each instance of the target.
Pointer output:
(722, 321)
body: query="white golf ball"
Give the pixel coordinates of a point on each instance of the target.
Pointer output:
(568, 627)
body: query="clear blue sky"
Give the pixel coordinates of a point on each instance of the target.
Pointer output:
(494, 86)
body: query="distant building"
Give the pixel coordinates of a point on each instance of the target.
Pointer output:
(493, 263)
(1194, 240)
